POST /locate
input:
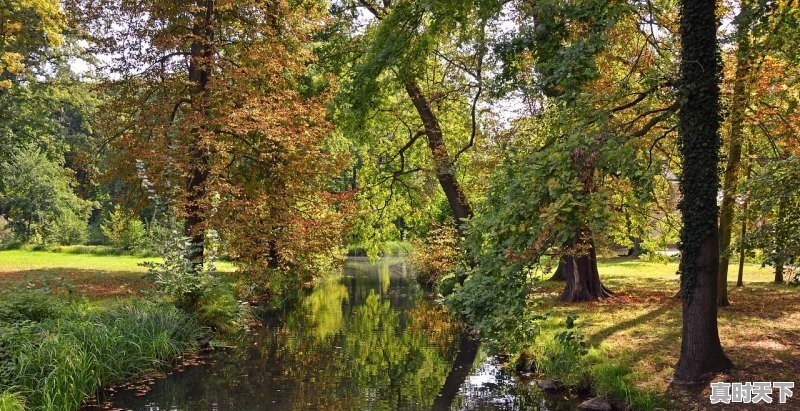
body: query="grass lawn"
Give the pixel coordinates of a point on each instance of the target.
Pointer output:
(97, 276)
(640, 327)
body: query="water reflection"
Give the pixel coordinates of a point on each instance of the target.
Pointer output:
(364, 340)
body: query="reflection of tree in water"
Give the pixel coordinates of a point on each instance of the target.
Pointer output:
(324, 306)
(374, 358)
(368, 340)
(397, 369)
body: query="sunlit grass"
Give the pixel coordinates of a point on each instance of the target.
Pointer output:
(23, 260)
(644, 269)
(635, 336)
(94, 275)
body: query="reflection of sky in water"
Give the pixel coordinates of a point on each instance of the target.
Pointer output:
(366, 339)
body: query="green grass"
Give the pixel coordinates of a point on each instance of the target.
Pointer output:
(56, 355)
(25, 260)
(12, 401)
(634, 337)
(632, 268)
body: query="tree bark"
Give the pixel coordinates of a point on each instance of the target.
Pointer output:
(445, 169)
(202, 52)
(698, 127)
(734, 154)
(701, 351)
(558, 275)
(779, 266)
(743, 233)
(580, 271)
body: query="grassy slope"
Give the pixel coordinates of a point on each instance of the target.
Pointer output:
(97, 276)
(640, 327)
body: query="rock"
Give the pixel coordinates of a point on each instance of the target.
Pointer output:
(549, 386)
(595, 404)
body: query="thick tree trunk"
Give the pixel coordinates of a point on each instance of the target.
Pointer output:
(445, 170)
(701, 352)
(581, 274)
(199, 72)
(734, 156)
(698, 126)
(558, 275)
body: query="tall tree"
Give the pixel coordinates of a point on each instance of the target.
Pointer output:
(413, 46)
(220, 115)
(735, 137)
(28, 32)
(698, 128)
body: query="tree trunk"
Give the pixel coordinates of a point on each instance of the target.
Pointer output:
(199, 72)
(698, 127)
(445, 170)
(558, 275)
(734, 154)
(779, 266)
(581, 274)
(701, 352)
(743, 235)
(740, 277)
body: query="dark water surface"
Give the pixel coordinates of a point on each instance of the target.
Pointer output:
(367, 339)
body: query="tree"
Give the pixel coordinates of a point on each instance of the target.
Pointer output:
(40, 200)
(563, 57)
(219, 113)
(408, 48)
(731, 176)
(698, 127)
(30, 29)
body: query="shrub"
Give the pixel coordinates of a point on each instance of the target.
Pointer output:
(436, 255)
(558, 353)
(654, 257)
(396, 249)
(616, 382)
(124, 229)
(29, 306)
(6, 234)
(197, 291)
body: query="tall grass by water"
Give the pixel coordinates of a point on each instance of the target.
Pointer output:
(53, 356)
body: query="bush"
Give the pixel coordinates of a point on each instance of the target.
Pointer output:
(436, 255)
(558, 352)
(124, 229)
(396, 249)
(29, 306)
(197, 291)
(6, 234)
(654, 257)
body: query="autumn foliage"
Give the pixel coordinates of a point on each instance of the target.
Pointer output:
(219, 122)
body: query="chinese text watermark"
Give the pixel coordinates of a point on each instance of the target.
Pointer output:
(750, 392)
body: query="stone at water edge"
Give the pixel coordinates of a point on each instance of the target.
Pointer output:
(595, 404)
(549, 386)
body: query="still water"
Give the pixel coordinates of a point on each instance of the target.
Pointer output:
(368, 339)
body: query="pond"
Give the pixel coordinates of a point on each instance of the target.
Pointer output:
(368, 339)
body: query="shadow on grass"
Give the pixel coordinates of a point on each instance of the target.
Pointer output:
(93, 284)
(646, 317)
